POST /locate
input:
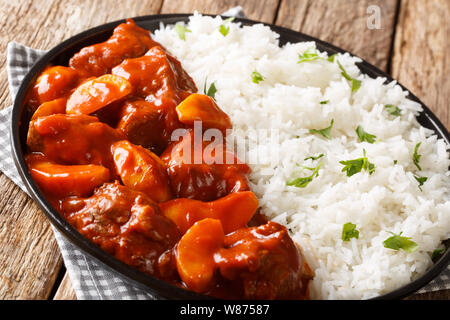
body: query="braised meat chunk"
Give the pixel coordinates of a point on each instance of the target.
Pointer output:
(204, 173)
(265, 261)
(125, 223)
(157, 76)
(127, 41)
(149, 125)
(73, 139)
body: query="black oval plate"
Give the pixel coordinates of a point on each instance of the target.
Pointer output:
(60, 55)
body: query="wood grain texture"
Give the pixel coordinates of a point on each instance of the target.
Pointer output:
(261, 10)
(421, 62)
(344, 23)
(29, 256)
(421, 57)
(65, 290)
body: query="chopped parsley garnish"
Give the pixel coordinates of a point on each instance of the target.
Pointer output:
(315, 158)
(349, 231)
(257, 77)
(324, 101)
(326, 132)
(436, 253)
(223, 29)
(331, 58)
(355, 166)
(395, 161)
(416, 156)
(421, 181)
(309, 55)
(392, 110)
(211, 91)
(181, 30)
(356, 84)
(364, 136)
(397, 242)
(304, 181)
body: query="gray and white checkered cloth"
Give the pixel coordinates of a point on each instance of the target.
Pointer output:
(90, 280)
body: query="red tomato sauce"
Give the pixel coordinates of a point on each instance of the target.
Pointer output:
(100, 149)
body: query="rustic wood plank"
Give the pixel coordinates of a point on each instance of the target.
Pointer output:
(421, 62)
(29, 254)
(421, 57)
(261, 10)
(30, 257)
(344, 23)
(65, 290)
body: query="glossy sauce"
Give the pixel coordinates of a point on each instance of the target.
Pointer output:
(100, 148)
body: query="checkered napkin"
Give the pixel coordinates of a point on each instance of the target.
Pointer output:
(90, 280)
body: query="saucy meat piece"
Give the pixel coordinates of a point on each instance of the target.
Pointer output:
(207, 178)
(160, 79)
(148, 125)
(141, 170)
(73, 139)
(264, 261)
(124, 223)
(234, 211)
(53, 83)
(157, 76)
(127, 41)
(61, 181)
(97, 93)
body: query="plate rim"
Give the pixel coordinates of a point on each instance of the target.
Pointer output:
(157, 287)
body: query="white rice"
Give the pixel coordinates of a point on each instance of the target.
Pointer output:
(288, 100)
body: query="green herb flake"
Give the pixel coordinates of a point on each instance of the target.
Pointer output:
(326, 132)
(181, 30)
(395, 161)
(397, 242)
(309, 55)
(304, 181)
(224, 29)
(436, 253)
(257, 77)
(211, 91)
(315, 158)
(324, 102)
(364, 136)
(356, 84)
(421, 181)
(416, 156)
(300, 182)
(349, 231)
(354, 166)
(392, 110)
(331, 58)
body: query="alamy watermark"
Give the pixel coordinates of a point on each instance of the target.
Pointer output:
(213, 146)
(374, 19)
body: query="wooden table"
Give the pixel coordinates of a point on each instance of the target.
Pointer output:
(410, 41)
